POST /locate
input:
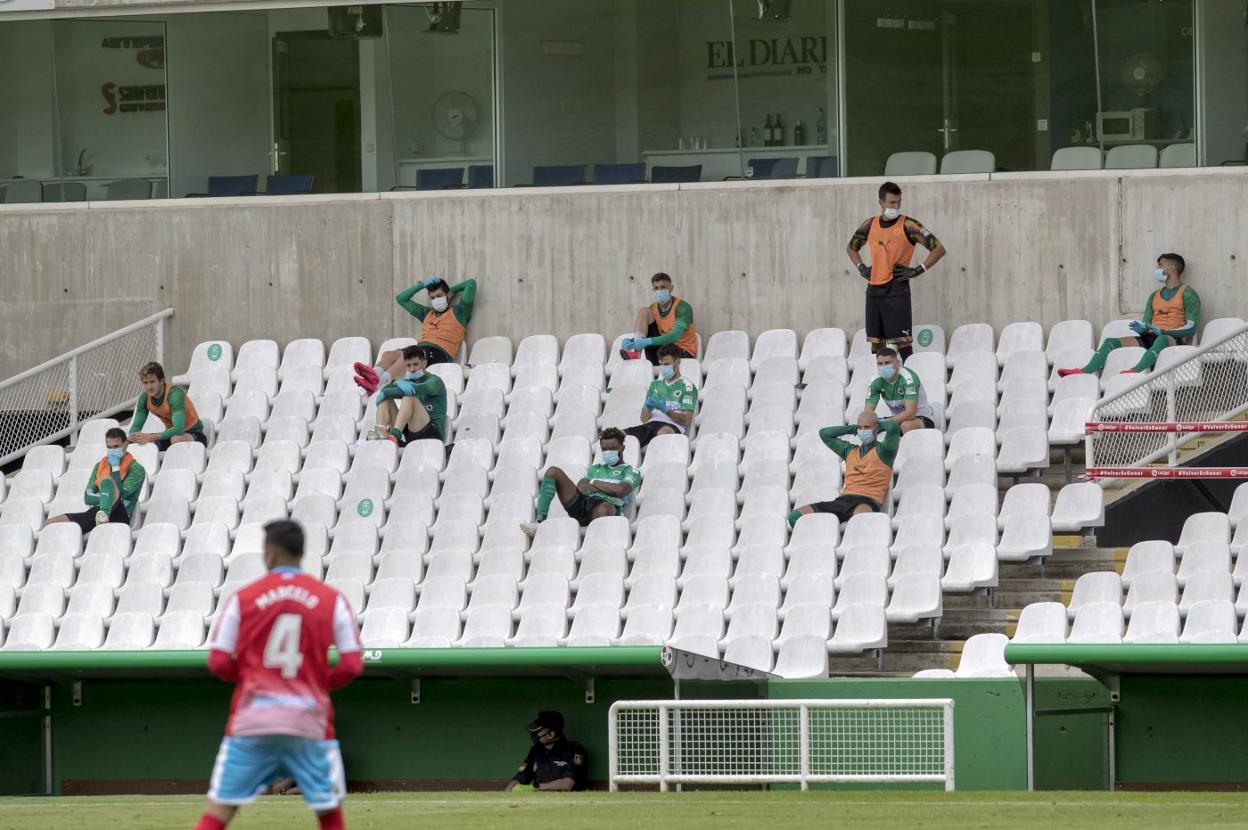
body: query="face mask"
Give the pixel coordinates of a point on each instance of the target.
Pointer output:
(439, 303)
(666, 372)
(417, 375)
(662, 297)
(892, 213)
(610, 457)
(887, 371)
(1159, 275)
(866, 436)
(115, 454)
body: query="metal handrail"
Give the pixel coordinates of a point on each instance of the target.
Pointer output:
(35, 412)
(1164, 381)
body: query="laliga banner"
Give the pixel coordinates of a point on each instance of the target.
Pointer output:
(1094, 473)
(1094, 427)
(26, 6)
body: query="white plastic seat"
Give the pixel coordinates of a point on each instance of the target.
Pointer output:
(582, 348)
(23, 513)
(1204, 527)
(971, 413)
(819, 343)
(967, 161)
(196, 597)
(1091, 588)
(870, 530)
(31, 632)
(540, 625)
(1079, 505)
(861, 626)
(434, 628)
(1151, 587)
(1206, 585)
(1023, 448)
(384, 628)
(442, 592)
(910, 163)
(594, 625)
(245, 568)
(920, 472)
(726, 344)
(598, 589)
(1019, 337)
(915, 596)
(1156, 556)
(1068, 424)
(983, 656)
(201, 567)
(1024, 537)
(864, 589)
(808, 588)
(1213, 621)
(647, 625)
(1155, 622)
(972, 499)
(1097, 623)
(804, 656)
(1041, 623)
(51, 569)
(1203, 556)
(87, 598)
(1077, 158)
(971, 567)
(971, 337)
(971, 529)
(1130, 157)
(180, 630)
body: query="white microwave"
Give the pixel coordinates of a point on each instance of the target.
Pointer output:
(1127, 125)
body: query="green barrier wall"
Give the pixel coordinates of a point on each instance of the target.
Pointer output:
(160, 735)
(989, 720)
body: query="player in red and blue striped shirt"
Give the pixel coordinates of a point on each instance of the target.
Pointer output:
(272, 639)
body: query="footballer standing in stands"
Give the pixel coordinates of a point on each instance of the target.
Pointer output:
(891, 239)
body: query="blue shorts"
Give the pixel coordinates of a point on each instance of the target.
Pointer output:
(247, 766)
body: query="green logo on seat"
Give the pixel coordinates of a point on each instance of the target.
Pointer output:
(364, 508)
(214, 352)
(925, 337)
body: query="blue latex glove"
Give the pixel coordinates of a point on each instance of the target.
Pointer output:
(407, 387)
(1137, 327)
(1154, 329)
(428, 282)
(627, 344)
(654, 403)
(642, 343)
(390, 390)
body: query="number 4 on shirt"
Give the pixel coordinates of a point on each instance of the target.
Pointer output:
(282, 649)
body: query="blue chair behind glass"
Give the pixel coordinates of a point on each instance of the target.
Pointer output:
(560, 175)
(676, 175)
(619, 173)
(781, 168)
(288, 185)
(480, 176)
(440, 178)
(821, 167)
(233, 185)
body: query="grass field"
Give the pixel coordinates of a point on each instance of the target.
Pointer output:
(653, 811)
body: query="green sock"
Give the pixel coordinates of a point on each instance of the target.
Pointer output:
(794, 515)
(398, 435)
(1097, 363)
(545, 494)
(1149, 358)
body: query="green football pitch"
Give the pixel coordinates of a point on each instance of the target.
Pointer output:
(655, 811)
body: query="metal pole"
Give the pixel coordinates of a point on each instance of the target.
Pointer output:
(664, 749)
(1029, 683)
(613, 748)
(736, 85)
(804, 744)
(949, 742)
(1172, 416)
(47, 740)
(1113, 750)
(73, 392)
(1096, 64)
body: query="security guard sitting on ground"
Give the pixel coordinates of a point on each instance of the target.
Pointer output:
(554, 762)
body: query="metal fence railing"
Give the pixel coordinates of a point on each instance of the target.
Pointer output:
(802, 742)
(1208, 387)
(50, 401)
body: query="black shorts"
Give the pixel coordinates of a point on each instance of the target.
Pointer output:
(434, 354)
(581, 508)
(428, 432)
(652, 352)
(844, 506)
(86, 518)
(647, 432)
(928, 423)
(888, 313)
(164, 444)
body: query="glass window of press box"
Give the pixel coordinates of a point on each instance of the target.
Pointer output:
(431, 96)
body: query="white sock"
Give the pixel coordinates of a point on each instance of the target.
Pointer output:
(383, 377)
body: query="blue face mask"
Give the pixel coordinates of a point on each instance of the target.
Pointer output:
(1159, 275)
(115, 455)
(866, 436)
(887, 371)
(662, 297)
(415, 375)
(610, 457)
(666, 372)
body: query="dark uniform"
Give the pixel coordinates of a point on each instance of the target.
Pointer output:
(562, 759)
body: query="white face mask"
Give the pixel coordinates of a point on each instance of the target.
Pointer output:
(892, 213)
(439, 303)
